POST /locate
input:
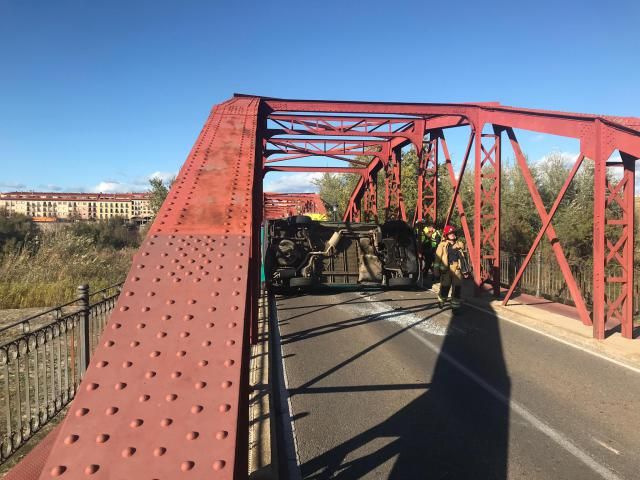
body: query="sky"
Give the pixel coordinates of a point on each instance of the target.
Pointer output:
(99, 96)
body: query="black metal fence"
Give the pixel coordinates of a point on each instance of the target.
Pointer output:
(43, 359)
(543, 278)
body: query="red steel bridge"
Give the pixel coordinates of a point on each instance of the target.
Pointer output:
(166, 392)
(278, 205)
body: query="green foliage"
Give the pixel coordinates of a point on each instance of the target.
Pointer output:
(158, 192)
(336, 189)
(59, 259)
(15, 231)
(113, 233)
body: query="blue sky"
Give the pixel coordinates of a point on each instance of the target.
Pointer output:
(101, 95)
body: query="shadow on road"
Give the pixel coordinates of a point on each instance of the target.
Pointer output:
(457, 429)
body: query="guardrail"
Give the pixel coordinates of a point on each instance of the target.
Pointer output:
(543, 278)
(42, 361)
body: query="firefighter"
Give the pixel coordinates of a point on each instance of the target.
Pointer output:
(429, 238)
(448, 259)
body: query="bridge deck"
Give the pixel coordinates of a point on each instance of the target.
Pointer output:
(385, 385)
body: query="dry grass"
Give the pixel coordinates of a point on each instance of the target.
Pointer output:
(51, 275)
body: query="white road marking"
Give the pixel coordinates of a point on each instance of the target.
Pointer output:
(388, 312)
(558, 437)
(551, 336)
(608, 447)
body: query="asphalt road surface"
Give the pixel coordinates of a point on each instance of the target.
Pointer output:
(386, 385)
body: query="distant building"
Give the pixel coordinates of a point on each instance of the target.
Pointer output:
(50, 207)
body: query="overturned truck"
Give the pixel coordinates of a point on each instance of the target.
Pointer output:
(302, 253)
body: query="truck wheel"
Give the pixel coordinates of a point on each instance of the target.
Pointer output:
(401, 282)
(300, 282)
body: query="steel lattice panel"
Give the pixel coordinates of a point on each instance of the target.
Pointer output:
(165, 394)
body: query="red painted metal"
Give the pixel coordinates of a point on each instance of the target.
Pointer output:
(166, 392)
(394, 204)
(488, 220)
(551, 233)
(344, 150)
(300, 168)
(427, 199)
(545, 226)
(279, 205)
(618, 258)
(456, 197)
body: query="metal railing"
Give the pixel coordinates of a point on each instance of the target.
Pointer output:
(42, 361)
(543, 278)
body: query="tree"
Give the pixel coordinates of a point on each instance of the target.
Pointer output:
(336, 189)
(158, 192)
(15, 230)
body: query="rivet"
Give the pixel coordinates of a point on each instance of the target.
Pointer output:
(225, 407)
(160, 451)
(165, 422)
(203, 363)
(181, 353)
(102, 438)
(150, 374)
(135, 343)
(102, 364)
(111, 411)
(71, 439)
(120, 386)
(128, 452)
(197, 409)
(143, 398)
(192, 435)
(109, 343)
(219, 464)
(136, 423)
(186, 466)
(91, 469)
(230, 343)
(171, 397)
(226, 384)
(92, 386)
(154, 354)
(200, 385)
(57, 471)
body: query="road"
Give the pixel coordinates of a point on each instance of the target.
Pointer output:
(386, 385)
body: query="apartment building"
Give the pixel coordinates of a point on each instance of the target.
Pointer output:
(52, 206)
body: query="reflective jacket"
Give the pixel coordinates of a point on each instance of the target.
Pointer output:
(442, 255)
(432, 239)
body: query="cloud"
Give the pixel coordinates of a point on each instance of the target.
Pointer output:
(566, 156)
(164, 176)
(7, 186)
(293, 183)
(139, 184)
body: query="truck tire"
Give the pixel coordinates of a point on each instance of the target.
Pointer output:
(300, 282)
(401, 282)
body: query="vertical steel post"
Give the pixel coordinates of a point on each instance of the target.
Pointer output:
(538, 270)
(83, 303)
(477, 208)
(599, 194)
(427, 199)
(629, 164)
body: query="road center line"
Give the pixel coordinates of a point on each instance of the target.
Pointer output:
(558, 437)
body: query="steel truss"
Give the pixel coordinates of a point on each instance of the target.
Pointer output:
(166, 392)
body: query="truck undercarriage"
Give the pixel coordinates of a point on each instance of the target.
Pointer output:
(301, 252)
